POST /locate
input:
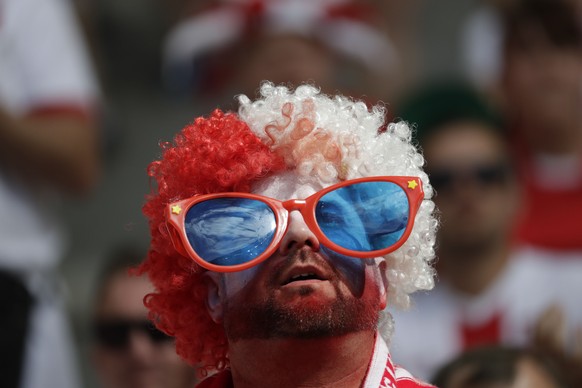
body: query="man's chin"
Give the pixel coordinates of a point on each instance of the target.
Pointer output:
(309, 317)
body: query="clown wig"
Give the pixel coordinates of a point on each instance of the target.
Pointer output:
(317, 137)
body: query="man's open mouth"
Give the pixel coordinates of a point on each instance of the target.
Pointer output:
(304, 273)
(302, 277)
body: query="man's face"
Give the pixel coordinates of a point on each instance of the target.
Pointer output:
(475, 191)
(531, 374)
(301, 291)
(285, 59)
(138, 361)
(543, 86)
(528, 373)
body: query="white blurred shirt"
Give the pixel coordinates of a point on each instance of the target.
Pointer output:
(431, 332)
(43, 65)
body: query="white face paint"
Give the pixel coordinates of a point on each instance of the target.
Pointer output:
(288, 185)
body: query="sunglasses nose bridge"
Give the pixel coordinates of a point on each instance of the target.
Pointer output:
(294, 204)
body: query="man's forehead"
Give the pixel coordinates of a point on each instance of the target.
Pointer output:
(289, 185)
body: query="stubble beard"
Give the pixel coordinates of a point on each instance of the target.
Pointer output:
(270, 319)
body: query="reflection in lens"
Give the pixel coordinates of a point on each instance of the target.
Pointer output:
(365, 216)
(230, 231)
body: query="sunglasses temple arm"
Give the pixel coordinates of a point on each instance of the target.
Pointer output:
(176, 240)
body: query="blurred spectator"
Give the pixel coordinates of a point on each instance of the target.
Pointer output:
(498, 366)
(482, 40)
(489, 290)
(48, 146)
(233, 45)
(542, 87)
(528, 53)
(128, 351)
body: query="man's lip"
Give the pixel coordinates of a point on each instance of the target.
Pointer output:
(303, 272)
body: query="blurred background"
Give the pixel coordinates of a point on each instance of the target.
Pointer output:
(127, 42)
(159, 64)
(126, 39)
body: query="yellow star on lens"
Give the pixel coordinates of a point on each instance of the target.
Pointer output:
(176, 209)
(412, 185)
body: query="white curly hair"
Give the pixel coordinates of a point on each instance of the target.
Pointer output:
(337, 138)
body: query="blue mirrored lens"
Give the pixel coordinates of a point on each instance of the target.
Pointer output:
(230, 231)
(365, 216)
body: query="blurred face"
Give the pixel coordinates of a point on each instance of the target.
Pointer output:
(285, 59)
(532, 375)
(301, 291)
(543, 85)
(528, 374)
(125, 355)
(475, 193)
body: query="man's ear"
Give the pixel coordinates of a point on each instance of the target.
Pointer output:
(383, 284)
(214, 284)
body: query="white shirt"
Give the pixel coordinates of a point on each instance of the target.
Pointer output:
(43, 64)
(430, 333)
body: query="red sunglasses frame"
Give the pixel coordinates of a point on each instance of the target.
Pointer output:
(176, 215)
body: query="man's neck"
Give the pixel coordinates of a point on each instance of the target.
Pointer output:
(339, 362)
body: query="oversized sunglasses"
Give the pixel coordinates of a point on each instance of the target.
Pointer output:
(115, 334)
(362, 218)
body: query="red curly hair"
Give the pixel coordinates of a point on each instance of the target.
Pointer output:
(215, 154)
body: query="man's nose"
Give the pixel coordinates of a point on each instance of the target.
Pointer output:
(298, 235)
(141, 346)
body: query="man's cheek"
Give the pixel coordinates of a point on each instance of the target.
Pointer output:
(234, 282)
(351, 269)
